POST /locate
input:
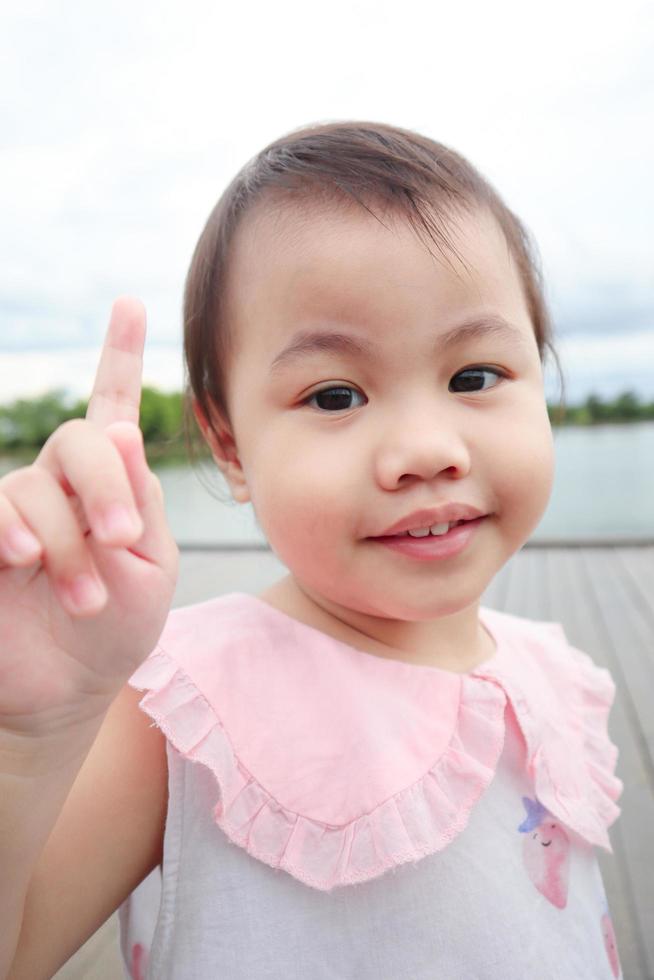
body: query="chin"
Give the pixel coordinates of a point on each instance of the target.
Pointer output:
(410, 610)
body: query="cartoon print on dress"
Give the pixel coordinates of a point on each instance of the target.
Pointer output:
(139, 963)
(545, 852)
(610, 943)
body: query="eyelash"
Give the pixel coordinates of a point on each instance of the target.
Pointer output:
(476, 369)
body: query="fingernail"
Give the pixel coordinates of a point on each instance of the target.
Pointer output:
(21, 543)
(117, 521)
(85, 592)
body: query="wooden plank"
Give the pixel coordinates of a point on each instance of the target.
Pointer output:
(570, 606)
(205, 574)
(514, 595)
(638, 569)
(536, 600)
(494, 595)
(623, 636)
(631, 637)
(529, 596)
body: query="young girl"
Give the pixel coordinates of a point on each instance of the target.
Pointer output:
(361, 772)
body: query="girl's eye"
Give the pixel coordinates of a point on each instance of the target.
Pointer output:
(472, 376)
(336, 399)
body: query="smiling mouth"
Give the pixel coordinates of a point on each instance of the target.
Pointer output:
(442, 530)
(434, 520)
(428, 546)
(437, 530)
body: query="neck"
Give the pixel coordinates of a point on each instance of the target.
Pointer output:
(457, 642)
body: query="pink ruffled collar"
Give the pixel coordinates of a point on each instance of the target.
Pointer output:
(336, 765)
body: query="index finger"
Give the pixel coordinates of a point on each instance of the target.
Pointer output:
(116, 394)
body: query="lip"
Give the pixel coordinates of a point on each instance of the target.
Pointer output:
(433, 515)
(432, 547)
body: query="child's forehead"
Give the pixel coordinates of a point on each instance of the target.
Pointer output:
(311, 253)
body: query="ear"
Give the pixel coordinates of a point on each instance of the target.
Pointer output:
(220, 440)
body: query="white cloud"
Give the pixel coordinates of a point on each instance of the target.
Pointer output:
(121, 125)
(608, 365)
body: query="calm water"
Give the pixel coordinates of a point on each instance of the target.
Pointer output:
(604, 487)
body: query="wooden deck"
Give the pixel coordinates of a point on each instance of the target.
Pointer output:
(603, 595)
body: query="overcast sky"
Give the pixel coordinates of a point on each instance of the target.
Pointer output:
(121, 124)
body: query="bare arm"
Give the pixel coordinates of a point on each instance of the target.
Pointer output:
(107, 838)
(33, 792)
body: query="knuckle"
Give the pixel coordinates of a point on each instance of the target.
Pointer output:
(7, 509)
(69, 429)
(7, 482)
(21, 479)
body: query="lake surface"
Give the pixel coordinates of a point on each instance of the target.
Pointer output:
(603, 488)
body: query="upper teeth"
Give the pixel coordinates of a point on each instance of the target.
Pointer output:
(422, 532)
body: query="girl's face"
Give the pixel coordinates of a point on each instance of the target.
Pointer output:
(349, 415)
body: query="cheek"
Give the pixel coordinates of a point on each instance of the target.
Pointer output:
(525, 464)
(300, 490)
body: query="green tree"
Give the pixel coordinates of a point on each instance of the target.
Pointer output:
(161, 415)
(627, 407)
(596, 409)
(29, 423)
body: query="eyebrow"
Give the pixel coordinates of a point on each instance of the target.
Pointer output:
(321, 341)
(477, 328)
(326, 341)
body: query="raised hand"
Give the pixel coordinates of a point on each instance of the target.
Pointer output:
(87, 562)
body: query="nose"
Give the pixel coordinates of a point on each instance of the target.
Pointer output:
(419, 445)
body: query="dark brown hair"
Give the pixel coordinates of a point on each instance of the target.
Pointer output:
(370, 163)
